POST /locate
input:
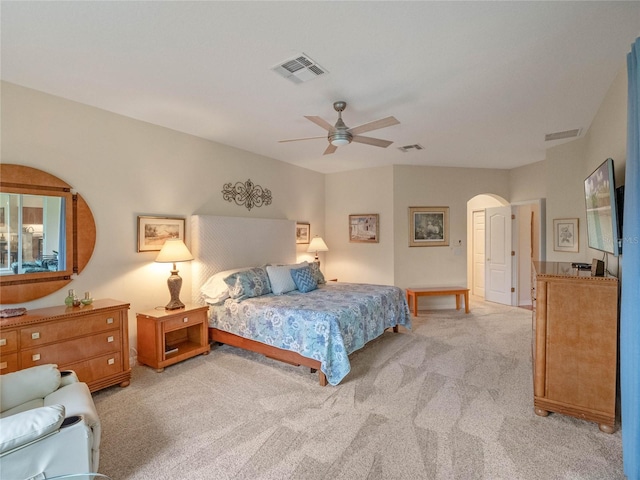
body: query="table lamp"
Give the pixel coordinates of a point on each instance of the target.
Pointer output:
(317, 245)
(174, 250)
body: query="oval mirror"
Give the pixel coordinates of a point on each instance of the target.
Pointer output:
(47, 233)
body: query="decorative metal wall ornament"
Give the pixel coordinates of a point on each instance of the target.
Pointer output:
(247, 194)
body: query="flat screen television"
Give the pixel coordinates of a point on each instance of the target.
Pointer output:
(602, 214)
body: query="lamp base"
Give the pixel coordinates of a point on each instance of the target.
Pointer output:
(175, 284)
(174, 305)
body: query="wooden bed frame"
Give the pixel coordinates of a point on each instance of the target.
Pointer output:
(286, 356)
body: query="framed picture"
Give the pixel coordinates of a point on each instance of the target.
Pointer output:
(566, 235)
(153, 231)
(364, 228)
(428, 226)
(303, 232)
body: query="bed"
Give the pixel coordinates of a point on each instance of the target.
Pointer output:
(317, 328)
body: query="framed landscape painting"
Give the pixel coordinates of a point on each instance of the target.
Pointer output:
(153, 231)
(428, 226)
(364, 228)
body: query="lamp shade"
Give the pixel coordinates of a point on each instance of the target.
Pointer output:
(174, 250)
(317, 245)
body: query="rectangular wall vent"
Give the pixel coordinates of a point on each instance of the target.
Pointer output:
(560, 135)
(415, 146)
(299, 69)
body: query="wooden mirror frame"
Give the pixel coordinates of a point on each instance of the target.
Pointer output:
(80, 234)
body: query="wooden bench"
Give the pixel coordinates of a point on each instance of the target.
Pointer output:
(413, 294)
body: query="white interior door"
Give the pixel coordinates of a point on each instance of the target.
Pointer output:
(478, 254)
(498, 252)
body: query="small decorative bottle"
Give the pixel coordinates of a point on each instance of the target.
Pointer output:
(87, 300)
(70, 298)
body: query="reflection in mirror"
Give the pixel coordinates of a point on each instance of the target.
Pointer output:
(32, 233)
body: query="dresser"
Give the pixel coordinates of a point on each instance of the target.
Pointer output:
(575, 342)
(92, 340)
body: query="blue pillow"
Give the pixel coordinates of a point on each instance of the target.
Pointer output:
(280, 277)
(317, 273)
(248, 283)
(304, 279)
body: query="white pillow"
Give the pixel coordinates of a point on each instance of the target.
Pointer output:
(215, 289)
(281, 279)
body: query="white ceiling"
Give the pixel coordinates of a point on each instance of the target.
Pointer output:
(477, 84)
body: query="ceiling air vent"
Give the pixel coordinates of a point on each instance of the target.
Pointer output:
(299, 69)
(406, 148)
(560, 135)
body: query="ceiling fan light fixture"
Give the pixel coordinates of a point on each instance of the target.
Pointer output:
(340, 139)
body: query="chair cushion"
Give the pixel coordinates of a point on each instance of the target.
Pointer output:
(25, 427)
(28, 384)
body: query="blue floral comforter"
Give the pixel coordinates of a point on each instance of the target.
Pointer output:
(326, 324)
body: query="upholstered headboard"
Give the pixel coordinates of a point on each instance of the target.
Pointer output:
(222, 243)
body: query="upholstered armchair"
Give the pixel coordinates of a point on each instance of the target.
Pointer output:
(48, 424)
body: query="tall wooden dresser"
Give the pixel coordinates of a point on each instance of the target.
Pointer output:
(92, 340)
(575, 343)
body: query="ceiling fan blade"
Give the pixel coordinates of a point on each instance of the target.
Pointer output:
(376, 142)
(330, 149)
(376, 124)
(298, 139)
(321, 123)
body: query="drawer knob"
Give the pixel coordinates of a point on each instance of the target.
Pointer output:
(110, 320)
(109, 339)
(35, 335)
(111, 361)
(3, 365)
(185, 319)
(35, 357)
(3, 342)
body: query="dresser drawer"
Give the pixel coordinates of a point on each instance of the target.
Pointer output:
(62, 330)
(8, 341)
(8, 362)
(186, 320)
(72, 351)
(96, 368)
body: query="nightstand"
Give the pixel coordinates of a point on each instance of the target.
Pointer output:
(166, 337)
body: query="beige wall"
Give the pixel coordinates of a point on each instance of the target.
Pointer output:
(560, 177)
(438, 186)
(125, 168)
(360, 192)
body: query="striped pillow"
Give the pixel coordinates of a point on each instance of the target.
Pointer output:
(304, 279)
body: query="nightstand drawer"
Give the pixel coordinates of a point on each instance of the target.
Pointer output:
(185, 320)
(54, 332)
(8, 341)
(71, 351)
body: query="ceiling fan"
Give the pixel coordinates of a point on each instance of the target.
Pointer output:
(340, 134)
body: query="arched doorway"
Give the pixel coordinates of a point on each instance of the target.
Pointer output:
(523, 244)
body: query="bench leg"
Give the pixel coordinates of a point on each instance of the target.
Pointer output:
(458, 298)
(466, 302)
(412, 300)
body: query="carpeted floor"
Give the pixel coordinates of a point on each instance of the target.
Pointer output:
(450, 399)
